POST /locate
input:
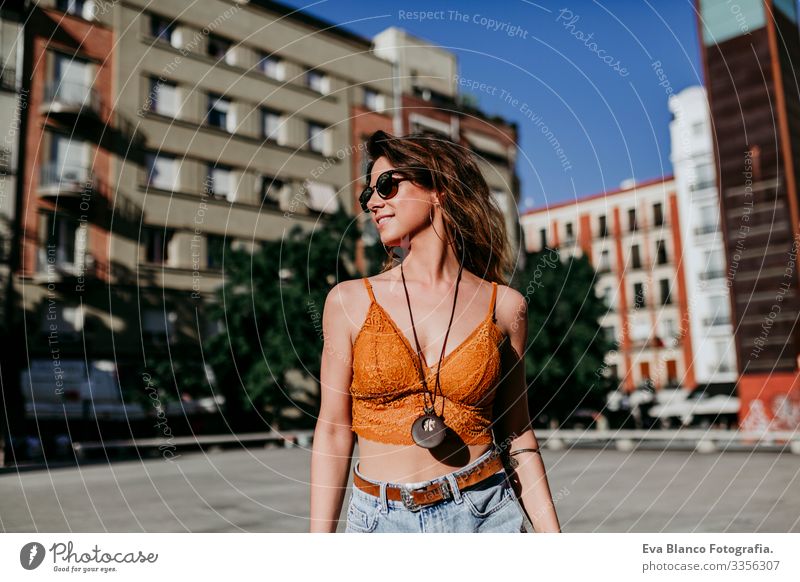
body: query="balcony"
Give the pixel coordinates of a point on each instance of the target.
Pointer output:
(71, 98)
(705, 229)
(67, 183)
(702, 185)
(712, 274)
(716, 320)
(8, 79)
(59, 266)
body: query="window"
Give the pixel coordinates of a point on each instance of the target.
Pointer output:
(158, 325)
(271, 190)
(668, 329)
(543, 237)
(72, 80)
(603, 226)
(271, 125)
(220, 182)
(216, 245)
(636, 260)
(661, 252)
(272, 66)
(162, 29)
(705, 177)
(162, 172)
(373, 100)
(157, 241)
(658, 214)
(570, 233)
(638, 295)
(163, 97)
(220, 49)
(605, 262)
(316, 81)
(666, 298)
(220, 113)
(714, 265)
(632, 219)
(722, 358)
(61, 241)
(316, 137)
(321, 197)
(719, 308)
(708, 219)
(76, 7)
(68, 164)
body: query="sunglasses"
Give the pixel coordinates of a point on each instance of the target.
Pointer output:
(385, 186)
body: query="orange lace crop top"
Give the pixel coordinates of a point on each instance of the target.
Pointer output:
(387, 393)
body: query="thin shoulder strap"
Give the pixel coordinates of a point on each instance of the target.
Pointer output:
(369, 289)
(494, 297)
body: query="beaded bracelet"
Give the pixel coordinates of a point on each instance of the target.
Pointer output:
(513, 462)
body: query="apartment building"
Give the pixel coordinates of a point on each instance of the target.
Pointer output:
(632, 237)
(754, 107)
(704, 265)
(13, 105)
(157, 138)
(13, 100)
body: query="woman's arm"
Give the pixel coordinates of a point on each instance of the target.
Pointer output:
(332, 449)
(512, 420)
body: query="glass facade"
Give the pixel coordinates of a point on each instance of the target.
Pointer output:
(721, 19)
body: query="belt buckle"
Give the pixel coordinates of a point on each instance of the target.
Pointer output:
(446, 492)
(411, 505)
(408, 500)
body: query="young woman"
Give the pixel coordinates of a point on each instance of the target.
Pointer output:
(424, 362)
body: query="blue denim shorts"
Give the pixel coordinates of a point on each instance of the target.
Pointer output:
(490, 506)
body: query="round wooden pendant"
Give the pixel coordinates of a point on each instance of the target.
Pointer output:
(428, 431)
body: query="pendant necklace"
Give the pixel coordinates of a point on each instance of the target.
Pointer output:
(429, 430)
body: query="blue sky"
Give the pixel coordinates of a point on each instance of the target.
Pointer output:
(595, 76)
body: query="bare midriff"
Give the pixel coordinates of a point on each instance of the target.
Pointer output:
(412, 463)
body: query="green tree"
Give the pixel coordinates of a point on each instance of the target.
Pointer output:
(566, 346)
(271, 308)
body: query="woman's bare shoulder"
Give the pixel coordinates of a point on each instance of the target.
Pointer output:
(346, 305)
(511, 308)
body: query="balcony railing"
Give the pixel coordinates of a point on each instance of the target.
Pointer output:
(705, 228)
(65, 180)
(702, 185)
(65, 265)
(712, 274)
(716, 320)
(8, 78)
(72, 97)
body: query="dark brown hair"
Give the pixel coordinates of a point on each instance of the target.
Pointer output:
(470, 212)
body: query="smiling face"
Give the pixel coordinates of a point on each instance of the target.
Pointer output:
(403, 215)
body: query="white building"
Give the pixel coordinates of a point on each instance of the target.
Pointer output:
(704, 262)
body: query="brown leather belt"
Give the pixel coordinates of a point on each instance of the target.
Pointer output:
(438, 490)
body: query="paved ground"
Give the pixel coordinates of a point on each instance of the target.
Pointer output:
(266, 490)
